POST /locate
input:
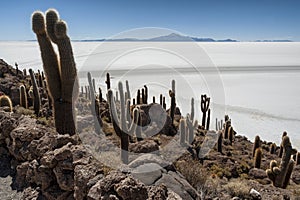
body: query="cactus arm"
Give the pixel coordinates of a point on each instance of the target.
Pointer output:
(49, 57)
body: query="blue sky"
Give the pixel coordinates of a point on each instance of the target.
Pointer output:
(219, 19)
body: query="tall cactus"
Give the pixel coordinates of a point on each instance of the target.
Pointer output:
(204, 107)
(95, 105)
(256, 145)
(128, 90)
(281, 148)
(36, 94)
(280, 175)
(145, 95)
(120, 124)
(182, 128)
(23, 96)
(208, 120)
(107, 81)
(61, 75)
(220, 141)
(192, 109)
(257, 158)
(173, 105)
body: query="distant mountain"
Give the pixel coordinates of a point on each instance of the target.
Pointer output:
(273, 41)
(174, 37)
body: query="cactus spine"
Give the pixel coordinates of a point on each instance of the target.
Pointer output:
(280, 175)
(36, 94)
(23, 96)
(6, 101)
(61, 75)
(204, 108)
(257, 158)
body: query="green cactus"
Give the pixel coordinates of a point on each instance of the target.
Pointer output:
(127, 90)
(227, 126)
(230, 134)
(182, 128)
(281, 148)
(143, 96)
(257, 158)
(173, 105)
(145, 101)
(273, 148)
(107, 81)
(138, 97)
(204, 108)
(256, 145)
(100, 95)
(36, 94)
(6, 101)
(280, 175)
(61, 75)
(95, 106)
(220, 141)
(23, 96)
(173, 86)
(120, 123)
(161, 99)
(208, 119)
(298, 158)
(192, 109)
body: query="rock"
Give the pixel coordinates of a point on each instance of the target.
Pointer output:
(144, 146)
(158, 192)
(149, 158)
(255, 194)
(179, 186)
(147, 173)
(82, 175)
(296, 174)
(257, 173)
(130, 188)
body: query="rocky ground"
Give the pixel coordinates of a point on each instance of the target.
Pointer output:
(38, 163)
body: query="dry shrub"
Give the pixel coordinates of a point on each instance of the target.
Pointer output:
(238, 188)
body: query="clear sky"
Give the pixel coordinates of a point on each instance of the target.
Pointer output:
(219, 19)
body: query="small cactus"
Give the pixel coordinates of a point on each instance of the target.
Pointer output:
(173, 105)
(161, 99)
(204, 107)
(182, 128)
(6, 101)
(220, 141)
(227, 126)
(297, 158)
(230, 134)
(153, 99)
(256, 145)
(23, 96)
(192, 109)
(208, 119)
(273, 148)
(145, 95)
(36, 94)
(107, 81)
(257, 158)
(138, 97)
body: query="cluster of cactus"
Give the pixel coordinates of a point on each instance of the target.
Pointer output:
(141, 97)
(186, 130)
(257, 152)
(162, 101)
(61, 75)
(205, 101)
(280, 175)
(5, 101)
(123, 124)
(219, 124)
